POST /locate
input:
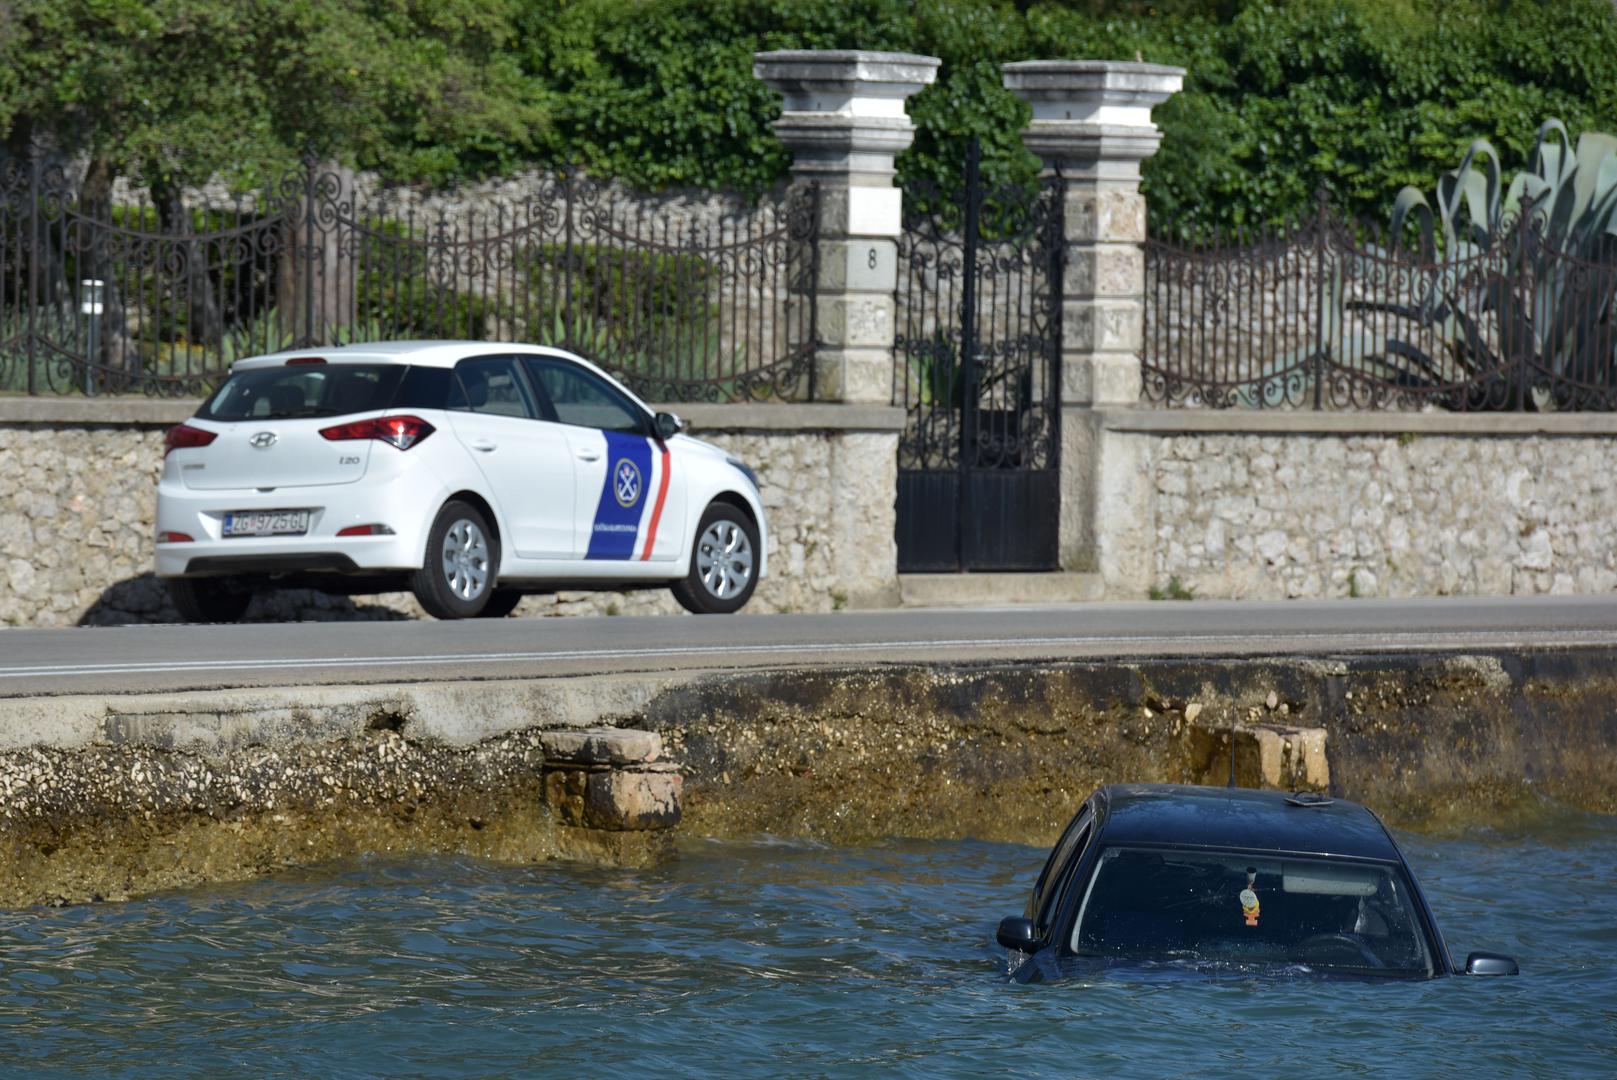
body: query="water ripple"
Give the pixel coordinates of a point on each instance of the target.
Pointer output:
(770, 957)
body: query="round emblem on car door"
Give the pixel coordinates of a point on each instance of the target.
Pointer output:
(263, 440)
(626, 482)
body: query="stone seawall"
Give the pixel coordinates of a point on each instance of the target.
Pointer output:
(77, 519)
(108, 797)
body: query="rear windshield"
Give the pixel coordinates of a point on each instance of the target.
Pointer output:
(1228, 907)
(304, 390)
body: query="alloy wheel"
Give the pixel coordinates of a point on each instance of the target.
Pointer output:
(465, 559)
(724, 559)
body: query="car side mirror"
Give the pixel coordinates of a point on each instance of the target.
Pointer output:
(1489, 963)
(1017, 932)
(667, 425)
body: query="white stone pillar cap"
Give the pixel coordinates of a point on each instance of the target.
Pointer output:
(1112, 92)
(848, 82)
(1093, 117)
(843, 117)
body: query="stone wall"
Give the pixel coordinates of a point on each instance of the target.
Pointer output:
(78, 501)
(1392, 513)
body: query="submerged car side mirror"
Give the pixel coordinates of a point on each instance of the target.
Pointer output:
(1489, 963)
(1017, 932)
(667, 424)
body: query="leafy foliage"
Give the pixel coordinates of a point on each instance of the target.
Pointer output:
(1283, 96)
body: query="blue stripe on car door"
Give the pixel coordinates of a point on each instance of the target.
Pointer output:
(617, 516)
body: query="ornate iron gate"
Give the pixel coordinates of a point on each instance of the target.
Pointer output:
(977, 355)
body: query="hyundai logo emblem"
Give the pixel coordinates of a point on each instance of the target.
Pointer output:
(263, 440)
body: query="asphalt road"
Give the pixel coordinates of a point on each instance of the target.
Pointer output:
(169, 658)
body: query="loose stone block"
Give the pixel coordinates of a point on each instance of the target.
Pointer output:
(602, 746)
(1292, 758)
(633, 800)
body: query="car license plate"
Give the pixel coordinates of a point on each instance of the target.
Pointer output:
(267, 523)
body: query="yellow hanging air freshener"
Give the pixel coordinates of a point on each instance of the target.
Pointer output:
(1249, 897)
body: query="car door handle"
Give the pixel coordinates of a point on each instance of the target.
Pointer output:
(485, 445)
(589, 455)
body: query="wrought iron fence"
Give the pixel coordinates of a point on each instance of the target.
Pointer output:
(1330, 315)
(685, 300)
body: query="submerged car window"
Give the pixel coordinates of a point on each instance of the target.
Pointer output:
(305, 390)
(1200, 906)
(574, 396)
(1045, 889)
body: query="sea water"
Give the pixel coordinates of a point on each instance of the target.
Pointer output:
(770, 958)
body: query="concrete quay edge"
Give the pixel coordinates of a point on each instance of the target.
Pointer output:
(453, 713)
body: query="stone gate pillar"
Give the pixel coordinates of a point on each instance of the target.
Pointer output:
(844, 121)
(1092, 125)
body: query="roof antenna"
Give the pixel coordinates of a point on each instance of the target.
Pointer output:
(1232, 752)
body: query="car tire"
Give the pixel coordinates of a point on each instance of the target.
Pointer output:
(500, 604)
(209, 600)
(456, 579)
(724, 563)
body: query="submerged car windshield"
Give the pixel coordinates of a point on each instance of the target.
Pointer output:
(304, 390)
(1230, 907)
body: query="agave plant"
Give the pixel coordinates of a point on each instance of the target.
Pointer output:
(1523, 277)
(1507, 300)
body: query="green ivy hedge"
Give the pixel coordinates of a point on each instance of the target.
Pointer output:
(1283, 96)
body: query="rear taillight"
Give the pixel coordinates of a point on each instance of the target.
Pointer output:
(402, 432)
(186, 437)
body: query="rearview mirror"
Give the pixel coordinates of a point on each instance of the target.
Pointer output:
(667, 424)
(1489, 963)
(1016, 932)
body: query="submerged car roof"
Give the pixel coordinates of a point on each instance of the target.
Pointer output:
(429, 353)
(1240, 818)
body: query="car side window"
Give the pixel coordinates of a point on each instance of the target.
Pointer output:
(424, 388)
(1055, 870)
(575, 396)
(493, 385)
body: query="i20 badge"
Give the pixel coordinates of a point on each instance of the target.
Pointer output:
(626, 482)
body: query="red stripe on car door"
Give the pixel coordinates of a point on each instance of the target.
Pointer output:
(656, 509)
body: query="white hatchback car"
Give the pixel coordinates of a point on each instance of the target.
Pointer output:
(468, 472)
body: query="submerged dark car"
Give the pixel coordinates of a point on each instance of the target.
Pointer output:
(1229, 877)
